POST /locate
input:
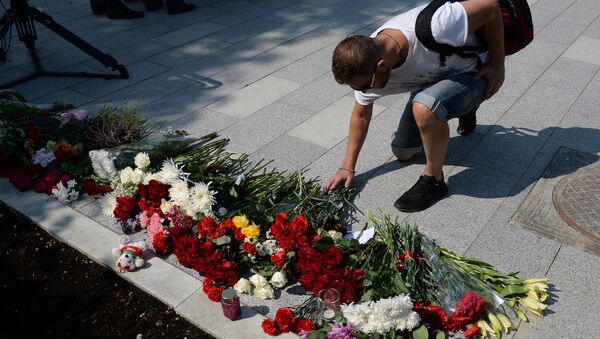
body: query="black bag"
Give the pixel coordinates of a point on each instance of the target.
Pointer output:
(516, 18)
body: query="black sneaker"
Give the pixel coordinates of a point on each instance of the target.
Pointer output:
(467, 123)
(117, 10)
(178, 6)
(423, 194)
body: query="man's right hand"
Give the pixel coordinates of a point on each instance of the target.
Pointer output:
(341, 176)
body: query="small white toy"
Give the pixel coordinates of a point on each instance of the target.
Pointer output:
(130, 254)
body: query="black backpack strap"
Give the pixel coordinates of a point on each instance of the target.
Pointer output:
(425, 35)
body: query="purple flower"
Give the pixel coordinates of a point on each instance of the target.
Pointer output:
(339, 331)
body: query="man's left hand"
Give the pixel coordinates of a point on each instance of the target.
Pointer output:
(494, 74)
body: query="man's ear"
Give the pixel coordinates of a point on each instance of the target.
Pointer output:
(382, 64)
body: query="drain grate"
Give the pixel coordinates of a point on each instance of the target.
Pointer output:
(564, 205)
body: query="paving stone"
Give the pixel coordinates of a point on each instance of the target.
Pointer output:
(239, 16)
(577, 131)
(189, 52)
(135, 53)
(579, 15)
(317, 95)
(556, 5)
(132, 97)
(320, 129)
(593, 30)
(508, 149)
(138, 72)
(188, 34)
(251, 133)
(44, 86)
(540, 53)
(277, 4)
(570, 277)
(174, 81)
(569, 75)
(183, 20)
(588, 101)
(140, 33)
(288, 153)
(255, 96)
(204, 121)
(587, 4)
(561, 32)
(247, 29)
(208, 315)
(584, 49)
(310, 67)
(171, 108)
(66, 96)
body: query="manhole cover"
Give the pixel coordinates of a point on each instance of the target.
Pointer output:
(577, 200)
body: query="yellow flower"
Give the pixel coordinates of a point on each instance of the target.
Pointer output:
(240, 221)
(251, 231)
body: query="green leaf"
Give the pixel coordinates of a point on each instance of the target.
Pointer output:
(233, 192)
(223, 240)
(321, 244)
(440, 335)
(367, 296)
(421, 333)
(513, 290)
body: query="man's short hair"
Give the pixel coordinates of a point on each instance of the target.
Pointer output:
(354, 56)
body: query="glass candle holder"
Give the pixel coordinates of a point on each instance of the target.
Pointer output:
(329, 302)
(230, 303)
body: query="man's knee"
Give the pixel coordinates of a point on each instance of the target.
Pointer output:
(423, 115)
(405, 154)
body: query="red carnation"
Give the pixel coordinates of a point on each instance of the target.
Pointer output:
(250, 249)
(64, 151)
(302, 325)
(270, 327)
(471, 306)
(160, 242)
(472, 332)
(206, 227)
(21, 181)
(284, 318)
(213, 292)
(433, 315)
(279, 259)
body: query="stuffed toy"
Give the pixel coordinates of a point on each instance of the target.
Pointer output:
(130, 254)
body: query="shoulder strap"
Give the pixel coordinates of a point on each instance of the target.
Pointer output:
(425, 35)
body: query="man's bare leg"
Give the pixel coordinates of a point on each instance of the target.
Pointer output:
(435, 135)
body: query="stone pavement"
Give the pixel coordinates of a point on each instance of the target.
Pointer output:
(259, 72)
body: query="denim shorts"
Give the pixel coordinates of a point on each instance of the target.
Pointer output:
(447, 99)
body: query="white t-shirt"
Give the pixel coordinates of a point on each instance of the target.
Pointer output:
(422, 66)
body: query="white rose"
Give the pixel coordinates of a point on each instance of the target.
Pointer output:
(142, 160)
(258, 280)
(265, 292)
(279, 279)
(243, 286)
(335, 235)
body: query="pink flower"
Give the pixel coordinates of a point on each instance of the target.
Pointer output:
(144, 220)
(76, 115)
(155, 226)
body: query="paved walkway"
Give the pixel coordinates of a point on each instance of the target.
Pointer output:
(259, 72)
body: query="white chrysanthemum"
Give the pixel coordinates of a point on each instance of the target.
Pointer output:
(382, 316)
(170, 172)
(202, 198)
(103, 164)
(66, 194)
(179, 192)
(129, 175)
(142, 160)
(109, 203)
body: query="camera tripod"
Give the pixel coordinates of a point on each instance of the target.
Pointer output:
(23, 16)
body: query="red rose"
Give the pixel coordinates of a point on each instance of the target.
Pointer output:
(126, 208)
(21, 181)
(472, 332)
(284, 318)
(302, 325)
(279, 259)
(471, 306)
(31, 170)
(250, 249)
(42, 187)
(270, 327)
(160, 242)
(64, 151)
(91, 188)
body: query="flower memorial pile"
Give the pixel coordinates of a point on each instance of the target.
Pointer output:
(241, 225)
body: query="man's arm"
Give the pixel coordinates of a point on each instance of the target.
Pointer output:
(486, 15)
(359, 126)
